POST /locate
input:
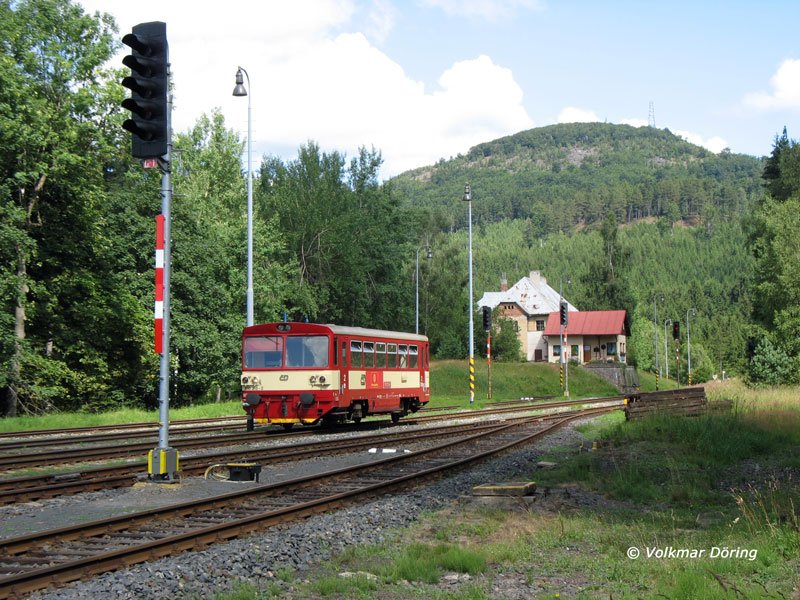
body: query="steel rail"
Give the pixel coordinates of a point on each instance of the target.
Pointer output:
(49, 486)
(307, 500)
(86, 454)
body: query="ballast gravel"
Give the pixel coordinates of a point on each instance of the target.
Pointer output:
(260, 558)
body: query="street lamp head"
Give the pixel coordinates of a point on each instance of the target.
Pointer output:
(467, 193)
(429, 254)
(240, 90)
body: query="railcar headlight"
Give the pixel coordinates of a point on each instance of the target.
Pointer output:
(322, 378)
(312, 380)
(244, 380)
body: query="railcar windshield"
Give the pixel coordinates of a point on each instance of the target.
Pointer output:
(275, 351)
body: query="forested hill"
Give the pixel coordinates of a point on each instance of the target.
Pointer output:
(562, 176)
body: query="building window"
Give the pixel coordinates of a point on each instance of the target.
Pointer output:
(540, 325)
(611, 348)
(575, 354)
(557, 350)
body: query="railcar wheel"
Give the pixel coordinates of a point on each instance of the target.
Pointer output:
(251, 425)
(395, 417)
(288, 426)
(356, 420)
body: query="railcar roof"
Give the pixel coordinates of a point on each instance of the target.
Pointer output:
(352, 331)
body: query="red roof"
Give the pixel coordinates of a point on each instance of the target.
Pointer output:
(594, 322)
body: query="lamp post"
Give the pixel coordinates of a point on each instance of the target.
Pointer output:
(240, 90)
(689, 348)
(468, 199)
(666, 347)
(428, 256)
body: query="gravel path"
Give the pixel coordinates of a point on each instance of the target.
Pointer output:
(257, 558)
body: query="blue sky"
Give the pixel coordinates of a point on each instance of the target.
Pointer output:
(422, 80)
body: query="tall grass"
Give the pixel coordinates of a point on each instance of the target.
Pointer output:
(678, 459)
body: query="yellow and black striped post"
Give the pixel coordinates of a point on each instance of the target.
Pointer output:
(561, 375)
(656, 380)
(471, 379)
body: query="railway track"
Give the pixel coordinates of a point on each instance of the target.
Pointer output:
(56, 557)
(36, 487)
(47, 437)
(61, 455)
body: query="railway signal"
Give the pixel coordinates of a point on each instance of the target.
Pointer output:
(148, 83)
(487, 319)
(151, 107)
(563, 313)
(676, 330)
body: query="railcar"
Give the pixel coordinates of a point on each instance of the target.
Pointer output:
(311, 373)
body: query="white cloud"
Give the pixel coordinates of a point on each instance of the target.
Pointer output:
(715, 143)
(491, 10)
(309, 82)
(572, 114)
(785, 89)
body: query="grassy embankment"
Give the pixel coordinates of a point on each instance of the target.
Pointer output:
(711, 505)
(449, 383)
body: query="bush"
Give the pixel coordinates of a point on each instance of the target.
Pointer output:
(772, 365)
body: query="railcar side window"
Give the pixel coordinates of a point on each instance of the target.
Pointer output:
(402, 351)
(369, 355)
(380, 355)
(263, 352)
(392, 355)
(344, 354)
(307, 351)
(412, 357)
(355, 354)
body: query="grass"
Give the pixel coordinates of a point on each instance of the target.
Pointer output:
(722, 487)
(510, 381)
(127, 415)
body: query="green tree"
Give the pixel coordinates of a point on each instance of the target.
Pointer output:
(347, 233)
(57, 129)
(209, 261)
(774, 239)
(606, 282)
(505, 341)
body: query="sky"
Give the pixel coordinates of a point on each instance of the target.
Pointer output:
(424, 80)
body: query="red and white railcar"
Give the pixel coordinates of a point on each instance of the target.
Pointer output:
(307, 373)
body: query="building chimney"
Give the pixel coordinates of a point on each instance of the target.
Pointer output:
(503, 283)
(535, 278)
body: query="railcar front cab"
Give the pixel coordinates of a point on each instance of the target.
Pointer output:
(287, 376)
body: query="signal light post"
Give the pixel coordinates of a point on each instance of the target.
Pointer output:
(149, 125)
(564, 319)
(487, 327)
(676, 335)
(689, 348)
